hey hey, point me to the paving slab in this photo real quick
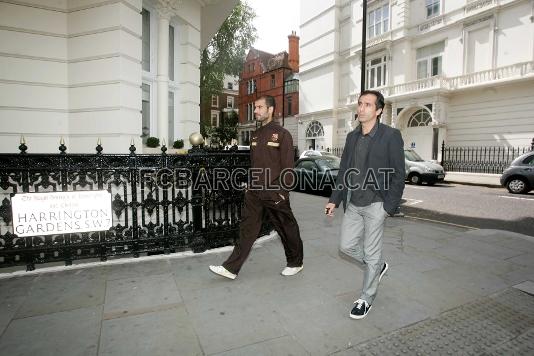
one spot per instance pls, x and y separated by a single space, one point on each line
137 295
228 317
285 345
73 332
167 332
68 290
527 287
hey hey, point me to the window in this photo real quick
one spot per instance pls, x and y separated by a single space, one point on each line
378 21
230 102
251 86
289 102
146 40
145 111
432 8
307 166
529 160
171 118
251 67
429 60
214 119
273 81
376 72
315 129
291 86
250 111
215 101
230 86
171 53
420 118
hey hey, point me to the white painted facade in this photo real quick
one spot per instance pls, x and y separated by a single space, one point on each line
73 69
463 70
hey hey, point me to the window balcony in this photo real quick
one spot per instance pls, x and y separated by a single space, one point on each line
378 39
514 72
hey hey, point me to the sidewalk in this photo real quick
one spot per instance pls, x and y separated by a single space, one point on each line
449 290
486 179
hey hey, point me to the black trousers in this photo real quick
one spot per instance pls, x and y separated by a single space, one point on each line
279 213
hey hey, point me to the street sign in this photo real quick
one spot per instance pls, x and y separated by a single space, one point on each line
61 212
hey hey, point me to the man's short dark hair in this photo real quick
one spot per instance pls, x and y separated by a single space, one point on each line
380 102
269 101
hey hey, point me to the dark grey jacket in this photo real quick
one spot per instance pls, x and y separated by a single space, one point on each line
386 150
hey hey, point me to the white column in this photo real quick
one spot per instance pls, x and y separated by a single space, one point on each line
162 77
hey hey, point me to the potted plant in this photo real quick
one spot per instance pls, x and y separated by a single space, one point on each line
152 142
178 144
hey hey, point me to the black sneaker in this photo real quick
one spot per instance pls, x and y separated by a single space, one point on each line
385 267
360 310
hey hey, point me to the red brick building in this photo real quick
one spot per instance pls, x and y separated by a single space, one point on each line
270 74
216 112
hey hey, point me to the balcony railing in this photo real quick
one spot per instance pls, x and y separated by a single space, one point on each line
514 71
511 72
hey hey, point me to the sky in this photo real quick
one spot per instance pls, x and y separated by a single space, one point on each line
273 25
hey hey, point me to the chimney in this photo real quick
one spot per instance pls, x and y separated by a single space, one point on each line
293 59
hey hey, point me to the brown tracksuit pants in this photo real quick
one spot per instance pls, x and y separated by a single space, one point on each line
280 215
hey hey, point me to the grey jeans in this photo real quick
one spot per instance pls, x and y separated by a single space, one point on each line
361 239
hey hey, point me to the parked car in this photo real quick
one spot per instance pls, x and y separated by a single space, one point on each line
317 173
518 178
311 153
239 148
418 170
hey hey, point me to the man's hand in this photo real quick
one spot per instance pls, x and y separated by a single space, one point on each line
329 209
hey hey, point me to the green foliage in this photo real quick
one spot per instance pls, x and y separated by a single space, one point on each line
223 134
225 53
152 142
178 144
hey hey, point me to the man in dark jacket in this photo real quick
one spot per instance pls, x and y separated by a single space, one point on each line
271 154
370 184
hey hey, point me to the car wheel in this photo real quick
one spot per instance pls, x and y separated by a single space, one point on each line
415 178
517 185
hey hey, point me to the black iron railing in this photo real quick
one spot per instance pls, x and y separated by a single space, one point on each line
155 205
480 159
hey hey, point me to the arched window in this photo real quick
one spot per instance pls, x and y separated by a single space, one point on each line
315 129
420 118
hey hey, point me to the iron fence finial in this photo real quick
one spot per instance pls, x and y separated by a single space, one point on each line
62 148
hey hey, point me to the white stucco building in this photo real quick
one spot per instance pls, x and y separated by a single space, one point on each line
108 69
455 70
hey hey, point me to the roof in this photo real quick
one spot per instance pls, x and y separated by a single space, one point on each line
269 61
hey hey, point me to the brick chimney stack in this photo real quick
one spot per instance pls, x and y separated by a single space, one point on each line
293 59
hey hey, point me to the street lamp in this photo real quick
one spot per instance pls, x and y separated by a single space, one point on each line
364 40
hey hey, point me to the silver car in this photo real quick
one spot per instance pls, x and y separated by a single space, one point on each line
418 170
519 177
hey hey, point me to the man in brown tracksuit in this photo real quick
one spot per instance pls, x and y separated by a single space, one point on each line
271 151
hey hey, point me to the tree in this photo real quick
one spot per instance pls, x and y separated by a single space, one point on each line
224 134
226 51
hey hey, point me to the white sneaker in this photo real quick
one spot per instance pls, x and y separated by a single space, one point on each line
291 271
221 271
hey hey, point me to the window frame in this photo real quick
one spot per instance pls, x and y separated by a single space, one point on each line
383 24
145 39
433 8
216 97
214 114
382 67
230 102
